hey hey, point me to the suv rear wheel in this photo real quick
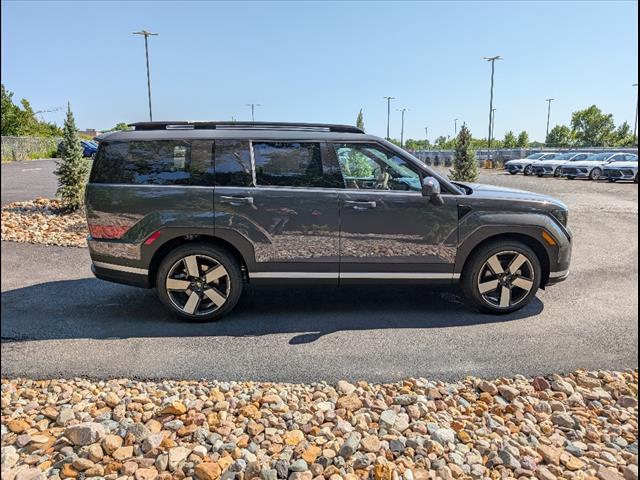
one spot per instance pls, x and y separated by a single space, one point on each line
528 170
501 277
595 174
199 282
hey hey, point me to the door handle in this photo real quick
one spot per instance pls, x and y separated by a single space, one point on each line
236 201
360 204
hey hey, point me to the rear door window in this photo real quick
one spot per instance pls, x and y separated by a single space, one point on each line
293 164
159 162
233 163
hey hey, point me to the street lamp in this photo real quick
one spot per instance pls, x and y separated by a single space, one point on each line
493 61
388 112
253 110
426 135
146 51
402 110
493 122
548 100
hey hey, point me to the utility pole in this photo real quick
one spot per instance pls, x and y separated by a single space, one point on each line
253 110
635 123
146 51
388 113
426 134
493 61
493 122
402 110
548 100
455 126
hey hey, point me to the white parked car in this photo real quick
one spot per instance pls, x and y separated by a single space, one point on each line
554 166
593 166
525 165
626 170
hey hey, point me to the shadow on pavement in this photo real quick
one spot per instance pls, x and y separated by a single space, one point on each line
91 308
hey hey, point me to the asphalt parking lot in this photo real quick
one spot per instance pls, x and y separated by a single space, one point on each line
59 321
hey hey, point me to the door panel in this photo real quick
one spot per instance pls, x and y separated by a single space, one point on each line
283 225
397 231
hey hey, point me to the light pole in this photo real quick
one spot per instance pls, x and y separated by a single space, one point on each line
635 122
493 61
455 126
548 100
402 110
146 51
426 135
253 110
388 112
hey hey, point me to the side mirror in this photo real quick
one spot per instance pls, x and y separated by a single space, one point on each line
431 189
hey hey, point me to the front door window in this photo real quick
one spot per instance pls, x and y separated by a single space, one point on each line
369 167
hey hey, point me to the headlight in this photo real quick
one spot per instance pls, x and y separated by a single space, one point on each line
562 216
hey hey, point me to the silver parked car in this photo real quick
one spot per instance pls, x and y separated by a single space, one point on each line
525 165
593 166
553 166
622 170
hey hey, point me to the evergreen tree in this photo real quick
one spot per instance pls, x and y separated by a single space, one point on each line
360 120
465 165
72 168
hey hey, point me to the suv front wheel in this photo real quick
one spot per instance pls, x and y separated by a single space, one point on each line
501 277
199 282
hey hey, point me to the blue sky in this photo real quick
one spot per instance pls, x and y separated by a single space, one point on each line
322 62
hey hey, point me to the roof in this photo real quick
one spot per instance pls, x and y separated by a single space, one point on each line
238 130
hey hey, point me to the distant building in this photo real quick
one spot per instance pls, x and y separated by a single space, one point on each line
90 132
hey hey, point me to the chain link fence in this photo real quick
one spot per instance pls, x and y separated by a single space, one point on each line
26 148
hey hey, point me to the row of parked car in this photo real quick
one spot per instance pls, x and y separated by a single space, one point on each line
612 166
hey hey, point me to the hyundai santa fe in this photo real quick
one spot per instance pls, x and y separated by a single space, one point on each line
198 210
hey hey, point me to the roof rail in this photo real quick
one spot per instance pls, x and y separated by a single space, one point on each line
185 125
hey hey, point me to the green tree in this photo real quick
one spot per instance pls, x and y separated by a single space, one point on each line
72 169
509 140
592 128
465 165
18 121
559 136
523 140
121 126
360 120
623 136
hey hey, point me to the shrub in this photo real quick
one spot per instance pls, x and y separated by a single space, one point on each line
465 165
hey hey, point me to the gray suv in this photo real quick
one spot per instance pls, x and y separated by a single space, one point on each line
199 209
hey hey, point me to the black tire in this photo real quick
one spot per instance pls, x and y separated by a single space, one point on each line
612 180
513 172
557 172
540 175
636 179
571 178
595 174
528 170
476 266
208 257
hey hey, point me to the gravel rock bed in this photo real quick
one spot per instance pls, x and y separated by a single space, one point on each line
578 426
39 221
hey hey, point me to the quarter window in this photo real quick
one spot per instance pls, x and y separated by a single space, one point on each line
367 166
161 162
292 164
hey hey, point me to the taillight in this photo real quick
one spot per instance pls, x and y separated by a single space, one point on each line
110 232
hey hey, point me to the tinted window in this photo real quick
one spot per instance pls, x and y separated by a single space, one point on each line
292 164
367 166
162 162
233 164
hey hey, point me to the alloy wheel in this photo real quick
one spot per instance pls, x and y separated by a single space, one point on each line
596 173
506 279
198 285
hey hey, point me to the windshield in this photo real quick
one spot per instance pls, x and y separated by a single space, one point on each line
598 157
565 156
535 156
